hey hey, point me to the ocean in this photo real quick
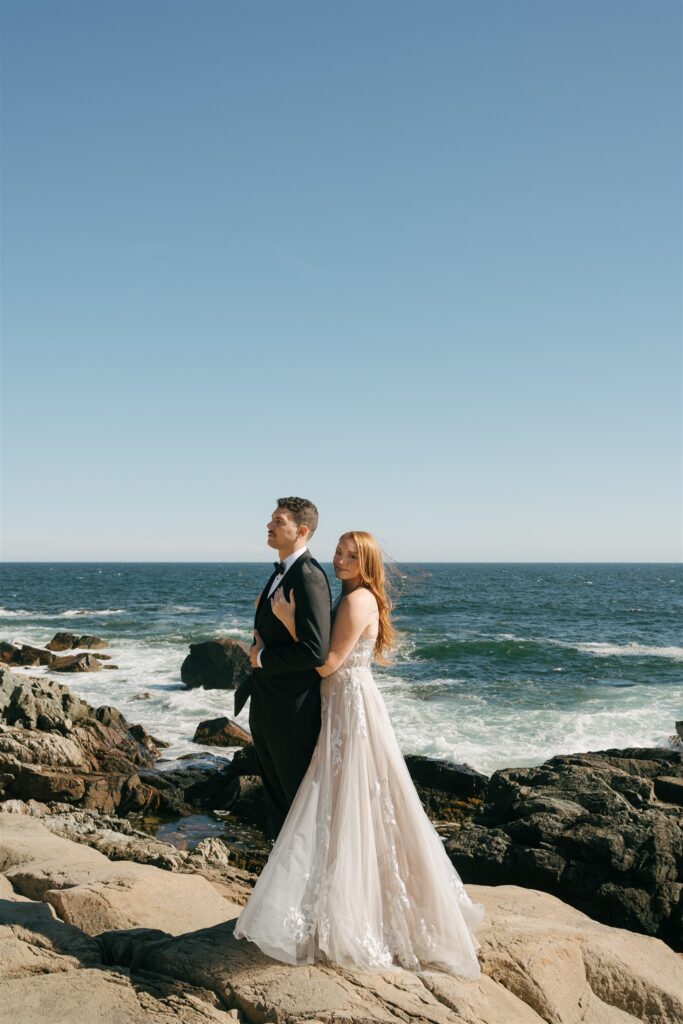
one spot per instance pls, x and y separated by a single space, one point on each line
496 665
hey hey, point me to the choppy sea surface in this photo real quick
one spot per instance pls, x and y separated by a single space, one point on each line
496 664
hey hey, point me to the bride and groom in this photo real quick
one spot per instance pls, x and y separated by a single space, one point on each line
358 875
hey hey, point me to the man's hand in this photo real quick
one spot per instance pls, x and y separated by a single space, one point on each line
258 645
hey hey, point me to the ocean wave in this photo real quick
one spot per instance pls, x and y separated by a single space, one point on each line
500 646
629 650
70 613
510 646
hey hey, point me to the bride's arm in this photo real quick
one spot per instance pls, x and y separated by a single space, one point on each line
355 613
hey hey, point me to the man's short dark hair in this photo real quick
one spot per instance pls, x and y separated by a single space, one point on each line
302 511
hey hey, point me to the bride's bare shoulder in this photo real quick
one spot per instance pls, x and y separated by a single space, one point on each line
362 599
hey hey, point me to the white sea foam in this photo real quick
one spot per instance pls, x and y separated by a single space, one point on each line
494 736
437 717
70 613
602 650
630 650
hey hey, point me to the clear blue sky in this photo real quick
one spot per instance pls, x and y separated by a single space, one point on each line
419 262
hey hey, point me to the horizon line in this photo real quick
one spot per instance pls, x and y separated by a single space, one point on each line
395 561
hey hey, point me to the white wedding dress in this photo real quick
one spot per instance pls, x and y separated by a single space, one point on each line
358 874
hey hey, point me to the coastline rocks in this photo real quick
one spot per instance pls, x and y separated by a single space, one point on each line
216 664
591 828
541 962
26 655
221 732
167 954
117 839
449 792
55 746
7 651
65 641
457 779
95 895
76 663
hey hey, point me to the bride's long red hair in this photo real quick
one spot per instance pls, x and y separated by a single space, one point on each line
373 577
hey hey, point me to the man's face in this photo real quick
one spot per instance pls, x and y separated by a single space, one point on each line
283 532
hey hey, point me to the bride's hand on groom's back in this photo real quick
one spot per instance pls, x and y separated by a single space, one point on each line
285 610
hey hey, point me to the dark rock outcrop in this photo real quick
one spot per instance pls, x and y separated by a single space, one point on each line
71 641
76 663
27 655
65 641
221 732
216 664
449 792
590 828
7 651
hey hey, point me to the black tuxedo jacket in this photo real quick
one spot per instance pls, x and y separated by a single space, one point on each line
288 666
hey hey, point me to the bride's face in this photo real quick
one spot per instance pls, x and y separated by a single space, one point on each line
345 560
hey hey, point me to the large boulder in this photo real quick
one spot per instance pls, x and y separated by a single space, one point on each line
76 663
25 655
221 732
8 651
592 828
216 664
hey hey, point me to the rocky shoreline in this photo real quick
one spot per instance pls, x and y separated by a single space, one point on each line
97 912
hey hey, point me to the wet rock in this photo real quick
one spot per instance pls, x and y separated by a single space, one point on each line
26 655
669 789
7 651
65 641
216 664
455 779
76 663
221 732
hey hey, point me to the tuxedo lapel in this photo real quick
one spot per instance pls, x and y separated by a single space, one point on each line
288 582
264 597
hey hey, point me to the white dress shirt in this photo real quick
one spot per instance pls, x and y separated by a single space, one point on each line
288 562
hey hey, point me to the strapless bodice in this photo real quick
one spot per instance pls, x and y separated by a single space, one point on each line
360 655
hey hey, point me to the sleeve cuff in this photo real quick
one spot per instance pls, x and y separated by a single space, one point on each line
258 657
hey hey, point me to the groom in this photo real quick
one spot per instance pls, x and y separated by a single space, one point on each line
284 687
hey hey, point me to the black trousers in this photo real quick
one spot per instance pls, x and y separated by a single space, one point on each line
285 732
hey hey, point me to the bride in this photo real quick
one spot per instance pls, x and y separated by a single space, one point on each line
358 874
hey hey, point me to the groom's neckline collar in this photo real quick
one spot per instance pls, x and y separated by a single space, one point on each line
289 561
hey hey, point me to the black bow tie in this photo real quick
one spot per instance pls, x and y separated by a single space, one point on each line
279 568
